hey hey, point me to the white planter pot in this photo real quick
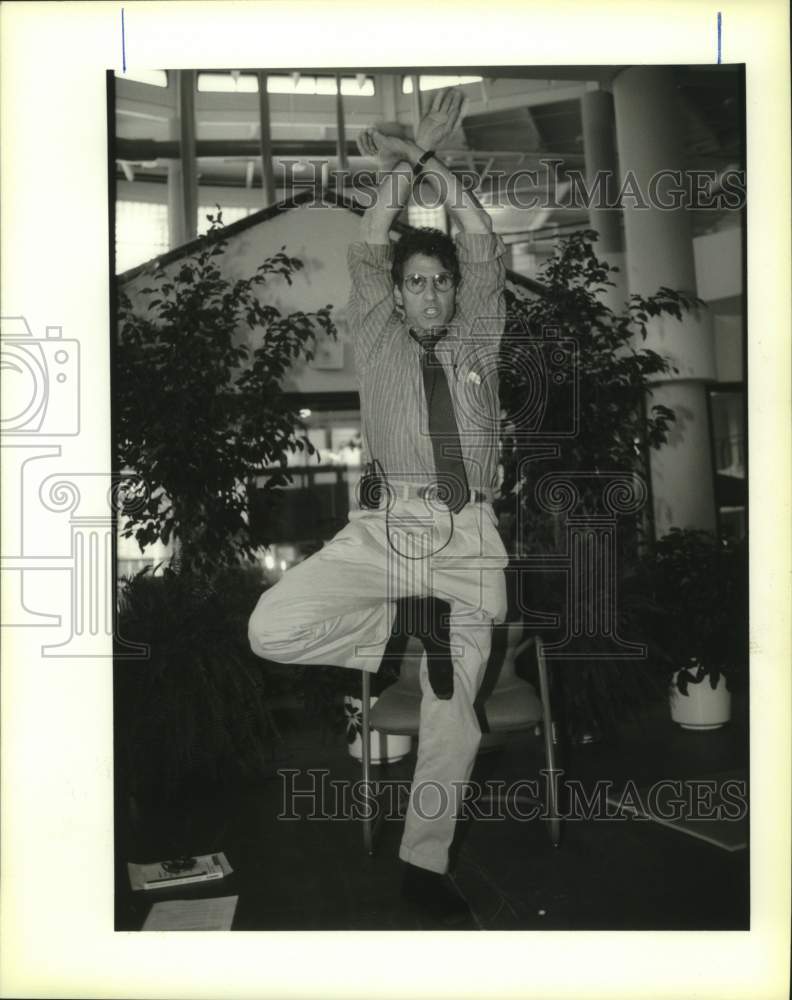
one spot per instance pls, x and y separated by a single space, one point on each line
702 707
384 748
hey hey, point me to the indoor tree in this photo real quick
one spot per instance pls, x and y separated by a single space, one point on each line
199 411
589 375
199 417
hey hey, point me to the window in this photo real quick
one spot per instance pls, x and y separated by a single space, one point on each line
527 258
324 485
417 216
153 77
141 233
337 441
437 82
728 443
286 83
227 83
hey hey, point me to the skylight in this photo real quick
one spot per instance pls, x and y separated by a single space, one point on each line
286 83
437 82
153 77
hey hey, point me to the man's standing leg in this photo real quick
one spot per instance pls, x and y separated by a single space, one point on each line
448 740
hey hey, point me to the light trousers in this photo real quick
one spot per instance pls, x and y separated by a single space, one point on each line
338 608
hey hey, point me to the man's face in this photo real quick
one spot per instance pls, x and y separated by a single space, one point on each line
427 306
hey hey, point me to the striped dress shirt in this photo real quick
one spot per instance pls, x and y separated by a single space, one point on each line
394 415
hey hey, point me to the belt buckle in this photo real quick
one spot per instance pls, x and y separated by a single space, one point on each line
429 493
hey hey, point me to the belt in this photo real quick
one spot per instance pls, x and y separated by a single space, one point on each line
428 491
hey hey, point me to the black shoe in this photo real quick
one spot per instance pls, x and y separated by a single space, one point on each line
434 897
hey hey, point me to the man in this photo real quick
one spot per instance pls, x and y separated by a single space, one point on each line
426 318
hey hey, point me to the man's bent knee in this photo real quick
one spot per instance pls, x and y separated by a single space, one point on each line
272 638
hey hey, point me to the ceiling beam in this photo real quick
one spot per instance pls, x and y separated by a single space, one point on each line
136 150
487 167
140 150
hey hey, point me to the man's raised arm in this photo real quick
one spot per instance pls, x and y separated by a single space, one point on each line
395 183
481 304
371 304
440 121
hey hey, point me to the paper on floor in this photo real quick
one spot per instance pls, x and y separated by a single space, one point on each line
192 915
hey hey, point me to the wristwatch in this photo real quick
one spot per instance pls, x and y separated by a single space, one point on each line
422 160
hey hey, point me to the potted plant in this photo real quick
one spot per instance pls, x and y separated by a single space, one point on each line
385 747
331 697
699 589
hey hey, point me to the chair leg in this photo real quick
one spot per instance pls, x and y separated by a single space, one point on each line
365 739
553 772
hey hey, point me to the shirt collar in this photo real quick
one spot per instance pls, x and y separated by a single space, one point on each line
425 340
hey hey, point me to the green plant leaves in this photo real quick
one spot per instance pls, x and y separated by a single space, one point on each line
194 714
606 383
701 584
199 409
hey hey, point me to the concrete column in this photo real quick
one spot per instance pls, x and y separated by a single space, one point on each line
659 244
415 101
267 171
186 83
602 177
387 84
341 151
183 173
176 234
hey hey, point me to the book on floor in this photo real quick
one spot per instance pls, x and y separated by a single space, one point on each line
178 871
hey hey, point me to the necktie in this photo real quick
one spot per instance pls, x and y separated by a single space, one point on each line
443 430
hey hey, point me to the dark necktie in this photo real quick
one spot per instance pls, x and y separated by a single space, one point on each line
452 481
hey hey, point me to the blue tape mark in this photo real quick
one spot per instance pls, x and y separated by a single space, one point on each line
123 41
719 37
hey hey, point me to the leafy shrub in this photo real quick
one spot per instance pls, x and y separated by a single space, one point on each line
699 592
193 714
200 413
607 382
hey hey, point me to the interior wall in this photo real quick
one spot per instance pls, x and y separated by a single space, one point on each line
719 281
319 237
718 261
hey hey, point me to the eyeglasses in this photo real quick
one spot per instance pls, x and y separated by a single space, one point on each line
416 283
179 865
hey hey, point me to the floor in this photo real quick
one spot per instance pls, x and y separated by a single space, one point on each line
313 873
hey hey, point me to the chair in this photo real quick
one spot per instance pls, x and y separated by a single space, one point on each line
505 704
